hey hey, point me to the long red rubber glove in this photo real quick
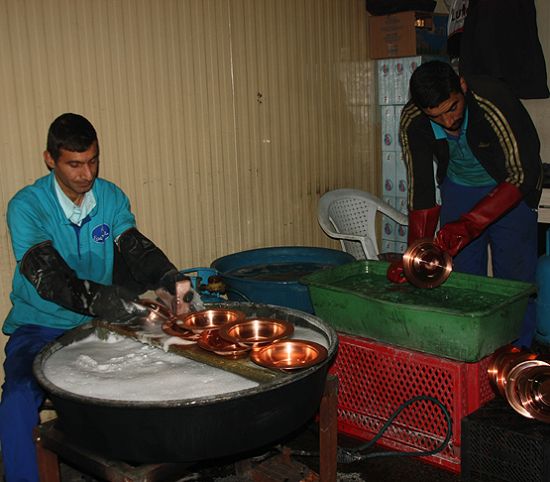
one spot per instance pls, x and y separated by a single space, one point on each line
454 236
422 224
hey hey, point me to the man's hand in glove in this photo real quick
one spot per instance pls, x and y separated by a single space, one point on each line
176 292
55 281
456 235
150 267
396 272
115 304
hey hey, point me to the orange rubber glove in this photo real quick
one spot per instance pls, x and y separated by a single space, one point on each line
454 236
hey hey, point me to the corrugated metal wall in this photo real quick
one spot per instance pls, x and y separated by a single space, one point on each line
223 120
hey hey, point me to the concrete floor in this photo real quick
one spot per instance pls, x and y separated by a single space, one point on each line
380 469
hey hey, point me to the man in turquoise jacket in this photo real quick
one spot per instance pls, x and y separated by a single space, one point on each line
66 231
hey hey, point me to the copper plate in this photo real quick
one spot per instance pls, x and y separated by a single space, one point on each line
171 328
212 341
426 265
256 331
534 392
515 383
289 354
207 319
504 360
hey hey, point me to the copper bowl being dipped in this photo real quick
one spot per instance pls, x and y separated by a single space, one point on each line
504 360
211 340
256 332
426 265
207 319
289 354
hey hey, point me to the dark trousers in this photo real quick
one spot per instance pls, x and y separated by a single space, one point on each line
21 399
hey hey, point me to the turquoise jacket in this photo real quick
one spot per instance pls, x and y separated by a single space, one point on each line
34 215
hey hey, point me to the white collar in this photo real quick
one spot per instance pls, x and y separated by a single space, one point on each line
74 213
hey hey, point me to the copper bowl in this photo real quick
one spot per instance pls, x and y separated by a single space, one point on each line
289 354
207 319
504 360
255 332
515 385
157 312
426 265
534 392
212 341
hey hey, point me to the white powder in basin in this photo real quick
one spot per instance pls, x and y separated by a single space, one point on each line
119 368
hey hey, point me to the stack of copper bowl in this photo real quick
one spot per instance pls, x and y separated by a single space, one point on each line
523 378
205 325
270 343
231 334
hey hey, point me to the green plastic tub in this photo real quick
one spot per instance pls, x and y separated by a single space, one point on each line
466 318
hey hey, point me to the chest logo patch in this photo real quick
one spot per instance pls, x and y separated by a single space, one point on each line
101 233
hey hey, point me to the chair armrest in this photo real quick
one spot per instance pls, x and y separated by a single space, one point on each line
394 214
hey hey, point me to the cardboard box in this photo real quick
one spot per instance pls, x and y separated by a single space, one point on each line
388 173
385 82
407 34
388 128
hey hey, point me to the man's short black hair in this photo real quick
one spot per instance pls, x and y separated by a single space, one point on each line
432 83
71 132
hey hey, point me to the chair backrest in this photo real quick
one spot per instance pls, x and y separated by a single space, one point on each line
351 213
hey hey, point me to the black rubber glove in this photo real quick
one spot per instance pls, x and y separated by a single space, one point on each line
168 283
148 265
115 304
55 281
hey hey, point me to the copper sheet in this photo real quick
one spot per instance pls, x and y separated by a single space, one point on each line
207 319
212 341
256 331
289 354
426 265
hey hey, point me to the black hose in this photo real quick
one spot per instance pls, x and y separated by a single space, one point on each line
350 455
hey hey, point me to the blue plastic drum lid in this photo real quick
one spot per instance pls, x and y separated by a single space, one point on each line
271 275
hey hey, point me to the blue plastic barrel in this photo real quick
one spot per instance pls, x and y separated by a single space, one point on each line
271 275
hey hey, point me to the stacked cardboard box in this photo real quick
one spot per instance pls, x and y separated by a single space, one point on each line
393 93
401 42
407 34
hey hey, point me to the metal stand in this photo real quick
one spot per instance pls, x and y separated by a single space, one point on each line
51 443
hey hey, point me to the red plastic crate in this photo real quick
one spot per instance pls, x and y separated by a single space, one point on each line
376 378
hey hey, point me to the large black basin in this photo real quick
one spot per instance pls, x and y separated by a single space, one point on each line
194 429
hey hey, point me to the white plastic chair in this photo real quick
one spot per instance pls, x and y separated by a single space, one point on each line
349 215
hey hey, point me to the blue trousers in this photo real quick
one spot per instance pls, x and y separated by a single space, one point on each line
513 240
21 399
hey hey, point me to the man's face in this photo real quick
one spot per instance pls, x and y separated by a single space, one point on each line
449 114
75 171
